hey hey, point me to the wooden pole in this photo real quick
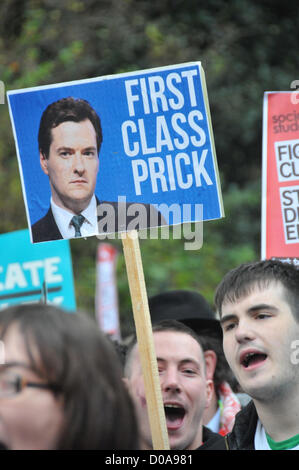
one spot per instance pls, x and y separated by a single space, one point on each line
145 341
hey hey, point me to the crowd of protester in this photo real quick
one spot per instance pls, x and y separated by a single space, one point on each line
229 378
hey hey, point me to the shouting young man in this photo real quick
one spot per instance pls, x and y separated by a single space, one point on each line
258 304
186 392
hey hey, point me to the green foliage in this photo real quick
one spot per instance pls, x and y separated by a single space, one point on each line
246 48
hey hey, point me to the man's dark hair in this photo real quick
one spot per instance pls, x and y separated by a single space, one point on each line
68 351
120 349
240 281
66 109
174 325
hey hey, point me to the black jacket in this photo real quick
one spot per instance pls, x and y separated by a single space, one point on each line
242 435
45 229
212 440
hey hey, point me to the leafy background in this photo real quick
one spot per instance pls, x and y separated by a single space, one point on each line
245 47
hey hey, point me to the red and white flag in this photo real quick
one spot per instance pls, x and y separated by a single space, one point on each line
106 291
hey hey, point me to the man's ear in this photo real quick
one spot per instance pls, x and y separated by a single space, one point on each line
43 163
210 391
211 361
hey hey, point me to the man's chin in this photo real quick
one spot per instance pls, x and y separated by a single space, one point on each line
78 201
259 389
177 443
178 440
80 195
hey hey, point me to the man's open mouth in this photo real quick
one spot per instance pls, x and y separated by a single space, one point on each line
174 415
252 359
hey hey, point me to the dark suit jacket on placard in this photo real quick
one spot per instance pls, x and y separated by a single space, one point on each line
46 228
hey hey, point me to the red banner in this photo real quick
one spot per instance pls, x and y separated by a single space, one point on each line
106 291
280 190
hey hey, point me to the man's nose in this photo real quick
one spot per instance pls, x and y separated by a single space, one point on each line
245 332
78 163
170 381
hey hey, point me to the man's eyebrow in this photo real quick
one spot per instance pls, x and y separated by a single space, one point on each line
191 360
258 307
182 361
70 149
254 308
226 318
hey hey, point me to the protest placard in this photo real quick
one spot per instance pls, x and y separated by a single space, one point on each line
280 191
144 156
157 151
26 268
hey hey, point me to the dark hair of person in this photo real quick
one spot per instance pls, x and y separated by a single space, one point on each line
174 325
66 109
120 349
240 281
68 350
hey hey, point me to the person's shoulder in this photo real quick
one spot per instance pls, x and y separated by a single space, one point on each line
40 224
212 440
242 435
45 229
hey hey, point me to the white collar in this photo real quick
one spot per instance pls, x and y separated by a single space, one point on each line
63 219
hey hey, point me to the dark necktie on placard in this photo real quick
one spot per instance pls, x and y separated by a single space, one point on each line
77 221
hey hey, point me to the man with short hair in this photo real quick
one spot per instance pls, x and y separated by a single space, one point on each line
185 390
192 309
69 139
258 305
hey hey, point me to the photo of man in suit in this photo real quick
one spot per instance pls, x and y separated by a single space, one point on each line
69 139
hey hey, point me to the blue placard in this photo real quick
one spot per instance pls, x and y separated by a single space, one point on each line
158 145
35 273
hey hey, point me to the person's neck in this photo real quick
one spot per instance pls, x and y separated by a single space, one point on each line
211 410
280 417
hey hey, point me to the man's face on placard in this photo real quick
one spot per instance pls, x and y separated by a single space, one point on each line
72 165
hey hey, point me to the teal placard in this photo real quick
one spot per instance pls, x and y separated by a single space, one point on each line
35 273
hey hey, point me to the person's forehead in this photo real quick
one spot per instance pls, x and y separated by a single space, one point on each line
272 293
71 128
176 344
170 344
14 345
